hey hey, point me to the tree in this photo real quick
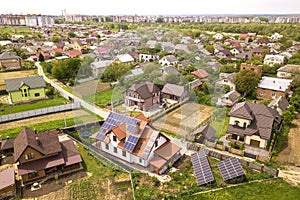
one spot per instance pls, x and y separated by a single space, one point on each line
288 116
55 39
115 71
172 78
246 81
41 57
71 35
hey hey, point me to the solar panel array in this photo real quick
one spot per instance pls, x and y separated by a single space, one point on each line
115 119
202 168
230 168
150 143
131 143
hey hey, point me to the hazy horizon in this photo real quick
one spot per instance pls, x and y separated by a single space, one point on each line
155 7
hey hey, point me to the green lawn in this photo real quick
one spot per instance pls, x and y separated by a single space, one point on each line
44 126
105 98
269 190
52 101
220 125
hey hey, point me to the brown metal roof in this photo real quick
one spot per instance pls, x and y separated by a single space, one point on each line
7 144
262 120
7 178
45 142
158 162
41 164
145 90
167 150
70 153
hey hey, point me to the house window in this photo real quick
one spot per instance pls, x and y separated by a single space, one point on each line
36 94
33 175
156 143
29 156
106 146
140 160
114 138
262 93
273 95
25 94
140 146
236 122
225 80
124 153
115 150
245 125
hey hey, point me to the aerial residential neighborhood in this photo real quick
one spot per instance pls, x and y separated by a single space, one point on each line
166 102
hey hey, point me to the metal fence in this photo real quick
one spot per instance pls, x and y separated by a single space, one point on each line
37 112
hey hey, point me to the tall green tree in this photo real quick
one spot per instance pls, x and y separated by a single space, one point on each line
246 81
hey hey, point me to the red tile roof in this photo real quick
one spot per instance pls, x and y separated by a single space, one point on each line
120 131
158 162
143 118
200 73
74 53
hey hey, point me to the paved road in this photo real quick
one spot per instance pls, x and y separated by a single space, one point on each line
101 112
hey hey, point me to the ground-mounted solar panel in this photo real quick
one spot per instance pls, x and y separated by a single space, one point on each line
202 169
231 168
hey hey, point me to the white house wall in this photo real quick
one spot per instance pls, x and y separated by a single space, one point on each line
263 143
241 121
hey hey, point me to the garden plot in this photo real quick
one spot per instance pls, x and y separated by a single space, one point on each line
184 119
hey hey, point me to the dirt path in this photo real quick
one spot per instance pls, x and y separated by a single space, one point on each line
291 174
15 74
291 149
40 119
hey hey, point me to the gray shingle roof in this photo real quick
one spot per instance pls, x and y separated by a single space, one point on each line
176 90
32 82
8 55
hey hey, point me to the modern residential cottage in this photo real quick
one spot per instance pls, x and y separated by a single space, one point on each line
134 141
25 89
251 124
142 96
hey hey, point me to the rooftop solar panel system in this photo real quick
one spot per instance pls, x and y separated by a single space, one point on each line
202 168
131 143
230 168
115 119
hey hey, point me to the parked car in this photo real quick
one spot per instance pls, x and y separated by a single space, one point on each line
163 105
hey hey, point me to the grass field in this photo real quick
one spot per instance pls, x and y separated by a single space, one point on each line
105 98
53 101
44 126
268 190
15 74
14 29
220 126
183 182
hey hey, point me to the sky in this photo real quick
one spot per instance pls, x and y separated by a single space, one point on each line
150 7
